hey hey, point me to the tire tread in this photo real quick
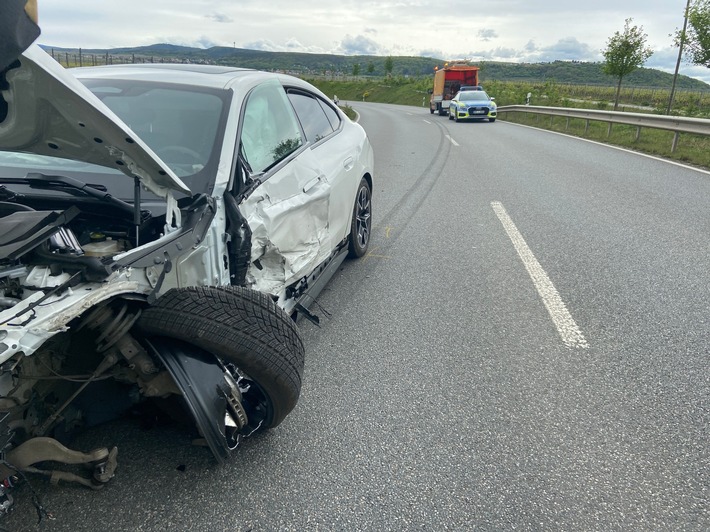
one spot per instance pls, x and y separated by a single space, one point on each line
238 325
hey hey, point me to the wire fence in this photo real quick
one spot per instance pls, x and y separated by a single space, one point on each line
643 95
82 59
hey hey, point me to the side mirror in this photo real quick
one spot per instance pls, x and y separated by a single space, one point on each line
493 99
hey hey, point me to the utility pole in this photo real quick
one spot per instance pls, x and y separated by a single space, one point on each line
680 56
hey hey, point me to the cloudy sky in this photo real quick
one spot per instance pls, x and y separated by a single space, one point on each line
496 30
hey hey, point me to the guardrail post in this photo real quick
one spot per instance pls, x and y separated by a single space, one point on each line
676 136
608 131
638 133
586 126
567 124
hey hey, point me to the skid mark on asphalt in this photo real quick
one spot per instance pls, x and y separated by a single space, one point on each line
570 333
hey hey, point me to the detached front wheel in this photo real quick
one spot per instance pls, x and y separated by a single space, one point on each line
242 328
361 225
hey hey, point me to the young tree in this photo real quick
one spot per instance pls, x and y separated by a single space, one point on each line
625 52
370 67
697 35
679 42
389 65
356 69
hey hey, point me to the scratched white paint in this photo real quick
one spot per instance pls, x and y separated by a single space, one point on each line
570 333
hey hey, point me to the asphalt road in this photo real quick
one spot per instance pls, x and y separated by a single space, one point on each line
525 347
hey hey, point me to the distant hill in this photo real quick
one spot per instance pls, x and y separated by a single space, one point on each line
314 64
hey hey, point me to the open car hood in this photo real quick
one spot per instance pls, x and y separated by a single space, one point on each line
47 111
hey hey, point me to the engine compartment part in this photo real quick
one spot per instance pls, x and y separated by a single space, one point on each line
41 449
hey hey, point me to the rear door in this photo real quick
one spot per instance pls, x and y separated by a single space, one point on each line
336 151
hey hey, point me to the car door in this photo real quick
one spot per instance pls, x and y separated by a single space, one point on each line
335 151
287 212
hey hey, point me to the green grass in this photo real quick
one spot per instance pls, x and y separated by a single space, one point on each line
349 111
380 90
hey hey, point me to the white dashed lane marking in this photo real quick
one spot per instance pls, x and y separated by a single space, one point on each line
570 333
452 140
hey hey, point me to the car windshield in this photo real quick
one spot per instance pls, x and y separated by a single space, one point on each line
473 96
182 125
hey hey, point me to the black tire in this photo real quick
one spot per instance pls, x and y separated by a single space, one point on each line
451 117
456 117
242 327
431 110
491 120
361 225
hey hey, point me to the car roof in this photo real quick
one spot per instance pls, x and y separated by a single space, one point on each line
210 76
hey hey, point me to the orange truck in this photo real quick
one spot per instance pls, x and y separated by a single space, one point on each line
448 81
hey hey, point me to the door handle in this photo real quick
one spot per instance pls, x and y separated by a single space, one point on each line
348 163
313 182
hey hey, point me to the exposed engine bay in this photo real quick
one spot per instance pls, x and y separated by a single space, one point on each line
98 364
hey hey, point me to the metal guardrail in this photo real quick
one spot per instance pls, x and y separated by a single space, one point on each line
677 124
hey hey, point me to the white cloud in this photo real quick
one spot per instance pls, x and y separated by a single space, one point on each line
565 49
359 45
437 54
524 30
220 17
487 34
262 44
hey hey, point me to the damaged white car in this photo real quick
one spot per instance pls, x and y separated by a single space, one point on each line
160 228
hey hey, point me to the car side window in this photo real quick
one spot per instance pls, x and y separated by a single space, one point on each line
332 115
312 116
270 129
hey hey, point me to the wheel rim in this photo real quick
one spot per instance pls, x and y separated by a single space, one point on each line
255 402
362 217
